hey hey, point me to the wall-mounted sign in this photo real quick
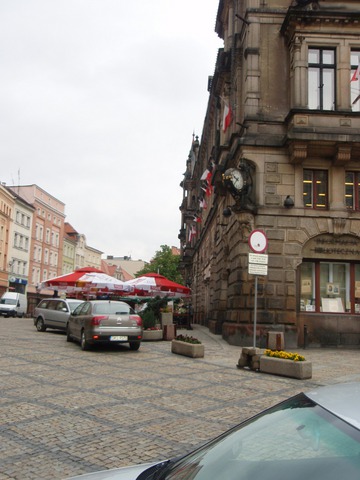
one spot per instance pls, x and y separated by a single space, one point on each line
259 258
256 269
258 241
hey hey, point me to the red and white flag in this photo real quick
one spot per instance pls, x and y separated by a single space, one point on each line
227 116
203 204
192 233
205 174
356 75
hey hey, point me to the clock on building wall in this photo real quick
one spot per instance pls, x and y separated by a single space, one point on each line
234 180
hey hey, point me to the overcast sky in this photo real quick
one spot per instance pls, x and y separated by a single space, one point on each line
98 103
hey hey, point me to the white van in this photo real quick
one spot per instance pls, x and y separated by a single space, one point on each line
13 304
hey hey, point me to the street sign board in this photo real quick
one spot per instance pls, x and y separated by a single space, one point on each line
260 258
258 241
256 269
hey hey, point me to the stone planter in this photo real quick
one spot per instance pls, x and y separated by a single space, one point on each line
151 335
286 368
193 350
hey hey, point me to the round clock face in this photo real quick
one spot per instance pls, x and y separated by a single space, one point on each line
258 241
235 177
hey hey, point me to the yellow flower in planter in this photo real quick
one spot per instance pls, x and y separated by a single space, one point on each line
296 357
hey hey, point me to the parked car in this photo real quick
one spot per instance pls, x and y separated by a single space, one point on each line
309 436
54 313
104 321
13 304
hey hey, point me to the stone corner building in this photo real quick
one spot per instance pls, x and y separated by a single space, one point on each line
279 153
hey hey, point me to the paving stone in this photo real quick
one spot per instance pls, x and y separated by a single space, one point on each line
65 412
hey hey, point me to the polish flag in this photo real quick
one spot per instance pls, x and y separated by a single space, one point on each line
356 75
202 204
205 174
192 233
227 116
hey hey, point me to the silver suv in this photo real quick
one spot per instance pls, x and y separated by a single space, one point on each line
54 313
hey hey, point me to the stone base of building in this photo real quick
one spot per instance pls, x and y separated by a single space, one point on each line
215 327
242 334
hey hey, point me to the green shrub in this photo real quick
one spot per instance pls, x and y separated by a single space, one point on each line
149 319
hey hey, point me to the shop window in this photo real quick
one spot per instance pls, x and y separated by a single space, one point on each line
352 190
321 78
315 189
357 289
330 287
355 81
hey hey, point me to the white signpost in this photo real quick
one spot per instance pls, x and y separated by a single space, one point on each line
257 265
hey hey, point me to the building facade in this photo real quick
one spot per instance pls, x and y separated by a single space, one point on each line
127 268
20 244
46 235
279 153
69 249
7 203
84 255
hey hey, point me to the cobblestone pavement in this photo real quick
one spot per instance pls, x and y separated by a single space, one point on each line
64 412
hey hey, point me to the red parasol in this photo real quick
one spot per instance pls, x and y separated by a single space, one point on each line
159 285
69 279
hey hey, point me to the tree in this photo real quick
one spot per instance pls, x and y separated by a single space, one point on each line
165 263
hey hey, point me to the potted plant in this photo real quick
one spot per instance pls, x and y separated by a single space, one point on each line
287 364
151 331
188 346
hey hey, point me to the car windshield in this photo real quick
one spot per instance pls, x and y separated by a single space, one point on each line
297 440
111 308
73 305
8 301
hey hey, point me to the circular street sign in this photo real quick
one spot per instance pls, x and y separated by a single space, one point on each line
258 241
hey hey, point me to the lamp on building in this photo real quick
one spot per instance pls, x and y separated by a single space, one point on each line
288 202
227 212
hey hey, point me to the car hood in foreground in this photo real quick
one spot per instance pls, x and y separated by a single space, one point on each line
126 473
342 400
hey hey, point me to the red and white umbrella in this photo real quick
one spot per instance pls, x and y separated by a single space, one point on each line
103 281
156 284
84 279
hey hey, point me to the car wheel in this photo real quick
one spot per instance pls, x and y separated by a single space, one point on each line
84 344
40 325
134 345
68 336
